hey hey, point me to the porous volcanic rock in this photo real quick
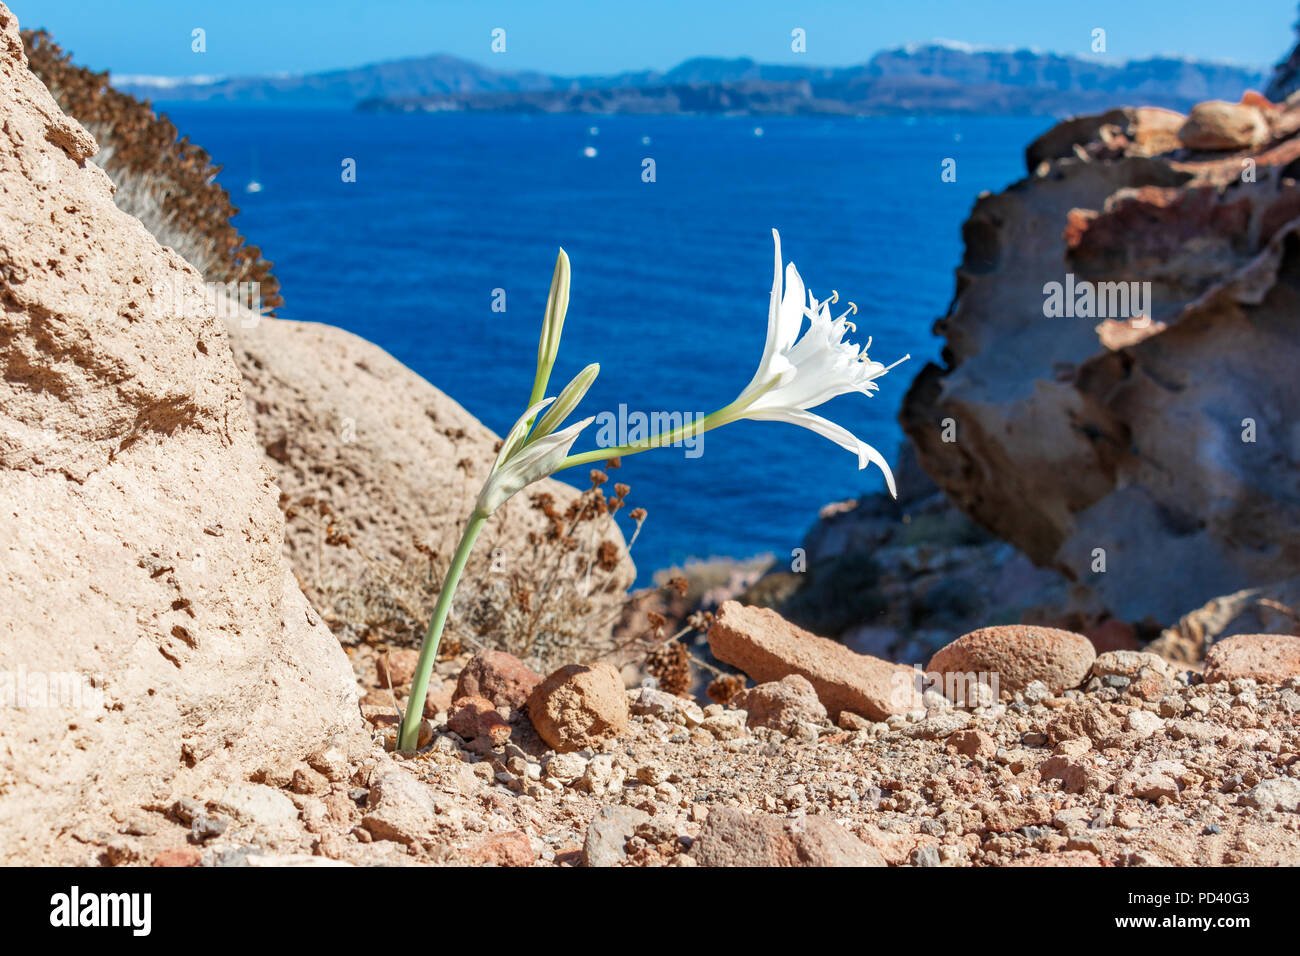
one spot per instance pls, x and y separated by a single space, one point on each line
474 717
1272 658
151 627
780 704
500 677
1019 654
579 706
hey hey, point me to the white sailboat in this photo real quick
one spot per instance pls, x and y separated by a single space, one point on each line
253 185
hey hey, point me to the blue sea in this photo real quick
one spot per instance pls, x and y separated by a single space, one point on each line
670 277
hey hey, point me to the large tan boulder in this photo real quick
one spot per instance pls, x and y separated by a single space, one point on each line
152 639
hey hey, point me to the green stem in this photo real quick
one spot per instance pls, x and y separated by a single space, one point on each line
723 416
709 422
409 735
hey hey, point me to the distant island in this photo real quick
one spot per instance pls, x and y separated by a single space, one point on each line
924 78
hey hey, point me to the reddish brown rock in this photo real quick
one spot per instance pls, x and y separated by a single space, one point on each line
732 837
767 647
1150 687
500 677
1268 658
1004 818
780 704
1080 722
973 743
177 856
1152 781
473 717
396 667
578 706
503 849
437 700
848 720
1076 773
1131 664
1219 125
307 781
894 848
1018 654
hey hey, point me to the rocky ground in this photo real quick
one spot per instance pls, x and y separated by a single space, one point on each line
1143 763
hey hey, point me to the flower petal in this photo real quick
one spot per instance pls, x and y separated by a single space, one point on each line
773 308
828 429
518 431
533 462
790 316
567 402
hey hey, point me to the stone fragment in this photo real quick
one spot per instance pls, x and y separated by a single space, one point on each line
767 647
731 837
579 706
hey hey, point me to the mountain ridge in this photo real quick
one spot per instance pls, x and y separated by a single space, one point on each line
916 78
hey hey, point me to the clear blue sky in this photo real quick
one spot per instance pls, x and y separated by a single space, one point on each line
600 36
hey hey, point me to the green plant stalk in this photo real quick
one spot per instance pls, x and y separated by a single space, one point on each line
408 736
719 418
723 416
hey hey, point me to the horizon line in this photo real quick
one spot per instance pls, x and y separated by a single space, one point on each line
163 81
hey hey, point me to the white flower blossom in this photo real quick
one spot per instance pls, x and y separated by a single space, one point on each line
798 373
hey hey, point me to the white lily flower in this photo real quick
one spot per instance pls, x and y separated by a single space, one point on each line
518 465
799 373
